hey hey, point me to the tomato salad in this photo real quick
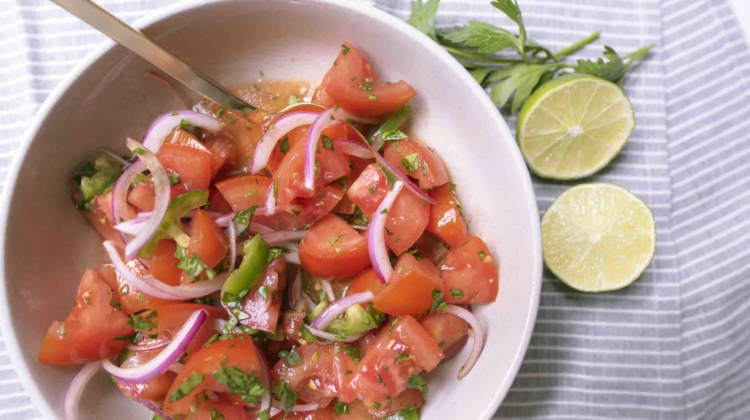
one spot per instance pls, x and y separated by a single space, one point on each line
316 271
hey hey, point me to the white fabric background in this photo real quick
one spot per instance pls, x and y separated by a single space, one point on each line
674 345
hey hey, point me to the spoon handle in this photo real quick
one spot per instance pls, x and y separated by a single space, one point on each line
135 41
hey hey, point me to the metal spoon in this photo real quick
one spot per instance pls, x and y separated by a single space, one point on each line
135 41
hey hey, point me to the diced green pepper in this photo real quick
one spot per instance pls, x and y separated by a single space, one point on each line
251 269
356 319
107 170
409 413
171 226
393 123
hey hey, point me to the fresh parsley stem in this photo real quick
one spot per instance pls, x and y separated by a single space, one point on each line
578 45
640 52
480 57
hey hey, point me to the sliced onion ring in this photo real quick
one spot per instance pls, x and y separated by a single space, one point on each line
232 236
271 200
151 286
339 307
340 114
476 332
311 144
120 190
333 337
280 127
329 290
298 408
376 235
278 237
164 360
163 125
146 403
162 190
149 347
403 178
353 148
75 389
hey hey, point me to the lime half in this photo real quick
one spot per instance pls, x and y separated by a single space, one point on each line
573 126
598 237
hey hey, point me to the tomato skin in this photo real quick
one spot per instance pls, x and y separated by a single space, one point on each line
406 221
409 290
291 326
446 221
264 311
366 281
408 398
325 413
207 241
90 328
321 376
101 219
243 192
464 269
239 352
170 318
431 172
164 263
379 375
333 249
228 409
183 138
349 72
191 164
313 209
155 389
368 190
131 299
448 330
223 150
295 136
216 202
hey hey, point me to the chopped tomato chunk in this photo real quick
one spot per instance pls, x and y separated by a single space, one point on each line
446 221
164 263
410 288
448 330
243 192
414 159
263 302
221 409
207 241
469 270
367 281
331 248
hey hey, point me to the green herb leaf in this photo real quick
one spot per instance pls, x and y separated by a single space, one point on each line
275 252
402 357
327 143
240 383
408 413
519 81
286 395
216 414
340 408
292 357
411 162
263 292
487 38
344 49
418 382
143 323
423 16
614 68
457 293
186 387
192 265
284 145
352 352
438 302
62 330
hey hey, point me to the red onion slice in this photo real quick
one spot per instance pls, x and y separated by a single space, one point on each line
353 148
278 237
477 334
75 390
232 235
120 190
131 227
333 337
339 307
298 408
329 290
161 201
116 157
146 403
149 347
280 127
295 291
163 125
151 286
376 235
340 114
265 380
164 360
270 206
401 177
224 220
311 145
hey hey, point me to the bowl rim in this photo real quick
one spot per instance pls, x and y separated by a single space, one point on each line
9 333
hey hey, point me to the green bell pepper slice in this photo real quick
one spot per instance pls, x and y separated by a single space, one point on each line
106 172
171 226
254 261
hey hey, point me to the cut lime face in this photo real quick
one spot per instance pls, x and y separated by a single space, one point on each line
598 237
573 126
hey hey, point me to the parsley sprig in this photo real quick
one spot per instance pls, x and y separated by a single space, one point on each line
514 78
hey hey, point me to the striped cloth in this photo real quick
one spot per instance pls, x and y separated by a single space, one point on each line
674 345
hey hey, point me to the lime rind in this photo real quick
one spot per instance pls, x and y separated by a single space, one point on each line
565 121
566 209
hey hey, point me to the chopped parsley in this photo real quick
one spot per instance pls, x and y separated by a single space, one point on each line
394 135
286 395
340 408
186 387
418 382
372 97
275 252
218 113
482 255
457 293
402 357
216 414
384 211
284 145
240 383
376 405
263 292
327 143
411 162
352 352
251 193
291 358
345 51
438 302
174 178
192 265
184 123
380 380
143 323
62 330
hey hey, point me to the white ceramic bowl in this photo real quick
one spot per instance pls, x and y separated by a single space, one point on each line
47 245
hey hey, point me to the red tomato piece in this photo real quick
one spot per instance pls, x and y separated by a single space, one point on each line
243 192
446 221
406 222
170 318
380 375
470 269
210 410
409 398
414 159
284 145
239 353
367 281
448 330
155 389
353 86
191 164
131 299
99 217
164 263
217 203
333 249
263 305
207 240
309 210
369 190
183 138
292 325
321 376
88 334
325 413
409 290
143 196
223 150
